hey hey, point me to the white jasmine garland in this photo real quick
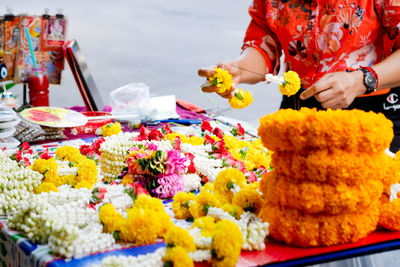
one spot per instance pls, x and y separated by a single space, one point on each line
191 181
200 255
147 260
254 231
275 79
16 183
200 241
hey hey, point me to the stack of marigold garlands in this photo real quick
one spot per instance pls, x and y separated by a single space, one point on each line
331 176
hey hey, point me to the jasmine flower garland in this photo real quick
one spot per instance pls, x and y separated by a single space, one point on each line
16 183
153 259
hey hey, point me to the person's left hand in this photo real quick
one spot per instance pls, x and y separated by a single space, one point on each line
336 90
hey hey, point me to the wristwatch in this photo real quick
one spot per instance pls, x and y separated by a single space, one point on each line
370 79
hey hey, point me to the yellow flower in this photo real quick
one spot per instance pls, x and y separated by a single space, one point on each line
111 129
241 99
225 181
193 140
45 187
208 187
110 218
177 257
87 171
222 79
292 83
180 205
179 237
203 201
66 152
233 210
249 199
227 244
128 179
142 226
47 167
206 224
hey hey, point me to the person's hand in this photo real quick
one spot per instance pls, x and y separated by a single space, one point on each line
336 90
209 72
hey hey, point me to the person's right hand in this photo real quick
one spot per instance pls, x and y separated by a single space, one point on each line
209 72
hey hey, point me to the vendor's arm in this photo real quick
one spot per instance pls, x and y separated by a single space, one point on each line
339 89
261 53
250 59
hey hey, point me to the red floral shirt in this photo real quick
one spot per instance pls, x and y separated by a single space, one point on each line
322 36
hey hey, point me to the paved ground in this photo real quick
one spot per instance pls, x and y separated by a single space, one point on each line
160 43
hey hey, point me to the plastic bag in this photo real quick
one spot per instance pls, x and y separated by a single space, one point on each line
131 100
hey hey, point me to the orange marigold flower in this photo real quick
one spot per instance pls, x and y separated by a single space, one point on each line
349 130
390 215
313 197
297 228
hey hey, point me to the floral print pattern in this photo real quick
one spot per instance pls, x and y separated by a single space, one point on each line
322 36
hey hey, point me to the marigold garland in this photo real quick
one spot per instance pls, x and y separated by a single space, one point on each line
249 199
348 130
234 210
222 79
224 183
111 219
241 99
177 257
305 230
68 153
179 237
111 129
291 84
390 215
206 224
45 187
181 203
226 244
203 201
331 167
314 197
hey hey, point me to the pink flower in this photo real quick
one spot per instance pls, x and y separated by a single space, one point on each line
177 143
251 177
169 185
44 154
151 146
208 140
176 163
26 148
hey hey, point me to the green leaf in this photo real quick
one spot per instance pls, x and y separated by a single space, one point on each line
205 208
243 152
230 185
186 204
116 235
239 96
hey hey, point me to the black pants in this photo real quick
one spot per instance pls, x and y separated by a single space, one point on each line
388 104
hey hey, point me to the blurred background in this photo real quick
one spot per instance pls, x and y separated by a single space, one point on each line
161 43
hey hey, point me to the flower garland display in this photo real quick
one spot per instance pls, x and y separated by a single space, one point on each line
308 129
318 195
17 183
62 220
228 182
144 223
111 129
149 259
84 174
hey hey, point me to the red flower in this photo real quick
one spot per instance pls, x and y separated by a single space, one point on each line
102 190
240 129
18 156
166 129
140 189
191 167
92 206
206 126
177 143
26 148
96 145
155 135
208 140
218 132
44 154
144 134
26 162
219 146
113 182
85 149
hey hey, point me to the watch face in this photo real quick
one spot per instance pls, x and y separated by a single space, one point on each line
370 81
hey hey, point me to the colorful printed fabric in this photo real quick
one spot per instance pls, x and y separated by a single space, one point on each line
323 36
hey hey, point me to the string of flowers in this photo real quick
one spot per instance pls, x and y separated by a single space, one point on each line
111 129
